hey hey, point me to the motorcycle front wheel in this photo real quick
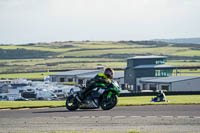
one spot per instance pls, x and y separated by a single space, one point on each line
72 103
108 103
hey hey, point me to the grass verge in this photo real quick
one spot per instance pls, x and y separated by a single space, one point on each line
30 104
76 132
39 75
123 101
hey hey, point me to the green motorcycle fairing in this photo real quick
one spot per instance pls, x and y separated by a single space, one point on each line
112 90
101 85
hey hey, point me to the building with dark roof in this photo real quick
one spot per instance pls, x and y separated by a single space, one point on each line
145 66
72 76
80 77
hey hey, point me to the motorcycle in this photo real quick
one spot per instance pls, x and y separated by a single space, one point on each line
101 96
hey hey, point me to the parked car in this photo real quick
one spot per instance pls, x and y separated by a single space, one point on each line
3 97
43 94
22 99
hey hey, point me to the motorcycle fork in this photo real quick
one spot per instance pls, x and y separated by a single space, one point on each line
96 102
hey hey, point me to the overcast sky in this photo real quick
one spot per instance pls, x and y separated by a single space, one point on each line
26 21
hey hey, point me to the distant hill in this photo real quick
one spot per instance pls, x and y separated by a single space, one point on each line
34 57
180 40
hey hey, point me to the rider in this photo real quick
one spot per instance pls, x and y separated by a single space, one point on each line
161 96
104 78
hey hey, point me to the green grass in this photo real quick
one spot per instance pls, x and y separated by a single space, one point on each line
108 46
184 63
25 65
188 53
92 65
145 100
30 104
26 75
35 48
123 101
159 50
187 72
33 62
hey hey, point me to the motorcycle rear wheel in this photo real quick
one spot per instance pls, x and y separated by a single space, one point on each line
109 103
72 103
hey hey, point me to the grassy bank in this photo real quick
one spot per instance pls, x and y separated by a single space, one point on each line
123 101
88 54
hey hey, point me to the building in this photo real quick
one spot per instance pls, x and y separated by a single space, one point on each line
145 66
173 83
118 76
80 77
143 73
72 76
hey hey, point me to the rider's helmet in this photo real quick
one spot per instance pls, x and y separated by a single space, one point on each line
109 72
160 91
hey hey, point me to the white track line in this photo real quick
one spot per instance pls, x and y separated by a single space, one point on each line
4 109
119 117
23 109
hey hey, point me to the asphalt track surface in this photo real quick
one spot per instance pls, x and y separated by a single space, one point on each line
151 118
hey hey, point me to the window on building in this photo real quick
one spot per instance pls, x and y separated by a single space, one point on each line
70 80
53 79
62 79
165 87
127 86
144 86
80 81
152 87
160 61
139 88
163 73
123 87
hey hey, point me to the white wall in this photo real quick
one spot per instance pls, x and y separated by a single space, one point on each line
65 77
187 85
120 81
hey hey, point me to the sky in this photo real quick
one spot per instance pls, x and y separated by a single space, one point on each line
32 21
